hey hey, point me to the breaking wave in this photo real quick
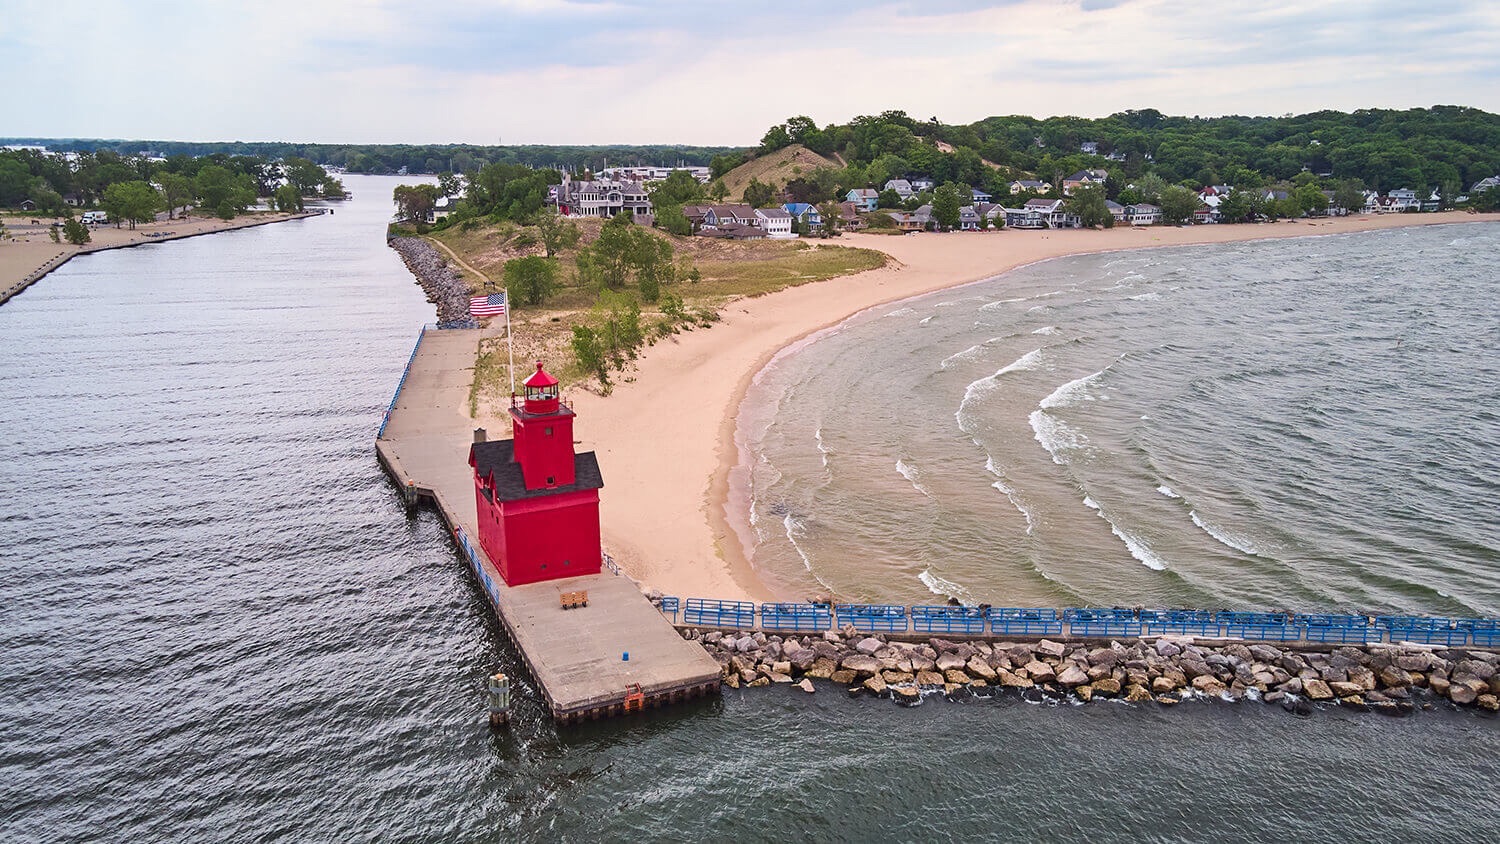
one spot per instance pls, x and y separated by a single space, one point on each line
1137 546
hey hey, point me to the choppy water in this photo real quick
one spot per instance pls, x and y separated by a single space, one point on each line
1304 424
217 624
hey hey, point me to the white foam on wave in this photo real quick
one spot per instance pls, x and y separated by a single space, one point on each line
912 475
1166 490
822 449
1145 297
941 586
967 354
795 529
1048 329
925 320
1226 538
1030 360
1055 435
900 312
1010 495
1134 544
1071 393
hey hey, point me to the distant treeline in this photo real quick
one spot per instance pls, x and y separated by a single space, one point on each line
1444 147
415 158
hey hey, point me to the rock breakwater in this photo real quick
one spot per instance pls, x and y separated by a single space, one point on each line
1393 679
443 285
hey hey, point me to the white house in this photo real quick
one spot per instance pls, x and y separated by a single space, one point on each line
902 188
776 221
1143 214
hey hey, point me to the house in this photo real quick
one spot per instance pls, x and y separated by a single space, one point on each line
1485 184
776 222
734 231
1083 177
719 216
1029 186
849 219
1372 203
1143 214
979 195
1404 200
1025 218
968 219
1052 213
1089 147
902 188
908 221
1116 210
806 212
919 185
28 205
441 209
602 199
696 214
864 199
1275 195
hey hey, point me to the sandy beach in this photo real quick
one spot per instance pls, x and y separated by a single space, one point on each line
665 437
28 252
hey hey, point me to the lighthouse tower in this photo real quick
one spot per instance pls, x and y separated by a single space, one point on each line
537 501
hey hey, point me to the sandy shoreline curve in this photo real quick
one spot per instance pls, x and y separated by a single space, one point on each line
674 512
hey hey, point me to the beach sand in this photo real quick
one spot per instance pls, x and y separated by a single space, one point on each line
665 437
29 249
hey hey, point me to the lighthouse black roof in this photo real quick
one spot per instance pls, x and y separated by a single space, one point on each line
498 458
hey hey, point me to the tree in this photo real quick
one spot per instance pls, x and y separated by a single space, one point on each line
889 199
1349 196
1178 204
758 195
135 202
589 353
75 232
1486 200
557 232
177 191
1089 204
947 201
332 188
717 191
775 138
829 212
532 278
225 192
287 198
1237 207
448 184
414 202
679 188
304 175
671 218
1310 199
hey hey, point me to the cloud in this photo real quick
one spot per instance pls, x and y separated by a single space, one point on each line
577 71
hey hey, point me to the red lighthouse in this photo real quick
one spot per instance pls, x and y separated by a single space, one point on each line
538 502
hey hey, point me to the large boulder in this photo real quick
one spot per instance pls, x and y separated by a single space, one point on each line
746 644
1346 689
802 658
1103 656
1014 681
1167 647
868 646
806 685
1040 672
1208 685
1051 648
822 668
860 664
1462 693
981 669
929 678
1439 685
1072 676
956 676
1489 702
1317 690
843 677
1108 686
875 685
1266 654
1137 694
948 661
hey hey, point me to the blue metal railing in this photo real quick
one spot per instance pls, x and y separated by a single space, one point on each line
796 617
669 606
1270 626
1424 630
386 419
474 563
1185 623
1080 622
948 619
1338 628
1025 621
1482 631
872 618
719 613
1102 623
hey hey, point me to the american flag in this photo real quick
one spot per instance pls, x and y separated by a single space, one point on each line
491 305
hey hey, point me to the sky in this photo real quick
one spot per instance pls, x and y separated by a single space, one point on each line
707 72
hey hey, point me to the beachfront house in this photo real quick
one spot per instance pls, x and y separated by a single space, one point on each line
806 212
1116 210
968 219
1142 214
907 221
864 199
776 222
1487 183
849 218
978 195
441 208
1053 213
902 188
1404 199
1025 218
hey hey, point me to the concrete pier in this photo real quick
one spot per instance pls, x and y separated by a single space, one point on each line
616 654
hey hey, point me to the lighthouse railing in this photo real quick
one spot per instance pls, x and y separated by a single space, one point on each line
794 616
718 613
872 618
1422 630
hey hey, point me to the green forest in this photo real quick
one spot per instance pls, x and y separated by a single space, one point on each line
1446 148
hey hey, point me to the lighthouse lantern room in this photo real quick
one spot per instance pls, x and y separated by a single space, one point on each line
537 501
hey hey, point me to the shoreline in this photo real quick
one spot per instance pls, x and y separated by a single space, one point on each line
18 270
690 486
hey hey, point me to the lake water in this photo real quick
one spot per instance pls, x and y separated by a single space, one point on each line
219 624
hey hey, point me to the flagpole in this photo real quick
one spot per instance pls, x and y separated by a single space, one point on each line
510 351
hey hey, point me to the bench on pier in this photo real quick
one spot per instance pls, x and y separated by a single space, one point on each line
573 600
